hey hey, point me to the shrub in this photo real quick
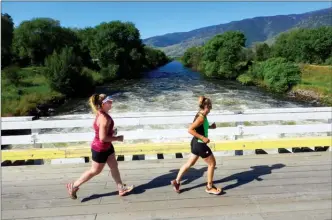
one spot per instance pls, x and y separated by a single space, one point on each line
328 61
96 76
65 73
110 72
12 75
210 68
279 74
246 79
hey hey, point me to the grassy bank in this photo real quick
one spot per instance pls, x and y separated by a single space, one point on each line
30 89
316 83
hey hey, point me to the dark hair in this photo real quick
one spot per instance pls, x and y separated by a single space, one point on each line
203 101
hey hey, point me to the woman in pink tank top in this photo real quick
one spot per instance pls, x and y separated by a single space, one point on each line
101 147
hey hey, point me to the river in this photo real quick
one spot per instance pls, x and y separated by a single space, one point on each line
174 87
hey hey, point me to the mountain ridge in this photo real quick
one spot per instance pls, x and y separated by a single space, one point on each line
256 29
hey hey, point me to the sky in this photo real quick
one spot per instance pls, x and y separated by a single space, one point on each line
153 18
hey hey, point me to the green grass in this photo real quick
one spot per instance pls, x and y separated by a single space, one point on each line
316 82
247 123
224 124
96 76
317 79
246 79
288 122
31 90
29 87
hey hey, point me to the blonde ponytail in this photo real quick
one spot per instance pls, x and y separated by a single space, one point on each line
200 100
95 101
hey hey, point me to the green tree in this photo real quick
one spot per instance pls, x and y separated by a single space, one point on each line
220 56
87 38
304 45
40 37
278 74
12 75
247 54
228 47
262 51
64 72
193 57
328 61
7 29
154 58
118 43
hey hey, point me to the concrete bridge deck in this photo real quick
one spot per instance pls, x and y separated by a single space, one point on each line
257 187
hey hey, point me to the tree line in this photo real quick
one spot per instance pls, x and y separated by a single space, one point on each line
274 67
75 60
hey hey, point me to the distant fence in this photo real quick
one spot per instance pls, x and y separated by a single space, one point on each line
313 125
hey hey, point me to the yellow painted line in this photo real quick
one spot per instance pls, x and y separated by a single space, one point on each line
166 148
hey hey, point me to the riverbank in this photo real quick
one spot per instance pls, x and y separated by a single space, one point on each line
30 94
27 93
315 86
43 68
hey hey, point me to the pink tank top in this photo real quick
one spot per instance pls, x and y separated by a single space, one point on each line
97 144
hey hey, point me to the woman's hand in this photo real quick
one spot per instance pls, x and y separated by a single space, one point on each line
119 138
213 126
206 140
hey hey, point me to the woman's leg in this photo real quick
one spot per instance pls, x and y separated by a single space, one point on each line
191 162
95 169
113 165
211 161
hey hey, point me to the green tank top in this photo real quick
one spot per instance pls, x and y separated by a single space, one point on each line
203 129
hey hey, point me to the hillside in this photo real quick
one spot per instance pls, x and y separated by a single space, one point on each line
256 29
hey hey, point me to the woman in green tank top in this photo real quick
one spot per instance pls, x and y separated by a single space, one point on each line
206 127
199 148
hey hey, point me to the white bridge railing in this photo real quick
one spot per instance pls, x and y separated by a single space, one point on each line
142 126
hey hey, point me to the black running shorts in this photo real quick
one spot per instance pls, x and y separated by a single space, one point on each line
101 157
200 149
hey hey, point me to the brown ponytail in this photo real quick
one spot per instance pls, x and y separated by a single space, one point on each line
95 101
203 101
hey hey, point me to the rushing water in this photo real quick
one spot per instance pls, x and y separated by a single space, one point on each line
174 87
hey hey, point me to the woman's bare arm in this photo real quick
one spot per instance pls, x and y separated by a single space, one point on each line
103 126
199 120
